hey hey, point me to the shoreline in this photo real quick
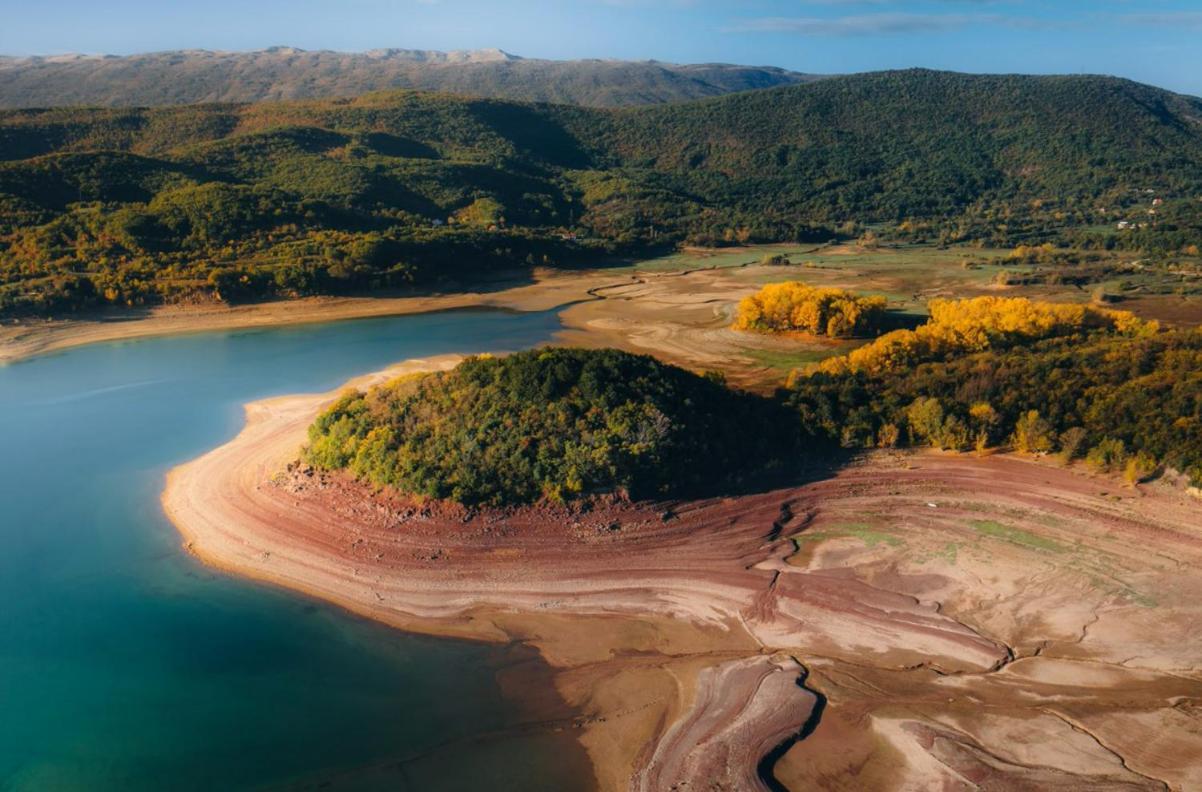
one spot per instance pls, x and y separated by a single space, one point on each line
194 541
714 616
545 290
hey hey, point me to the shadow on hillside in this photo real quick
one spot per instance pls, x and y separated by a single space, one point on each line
901 320
818 463
534 132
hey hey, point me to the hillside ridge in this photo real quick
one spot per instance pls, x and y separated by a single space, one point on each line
282 72
396 188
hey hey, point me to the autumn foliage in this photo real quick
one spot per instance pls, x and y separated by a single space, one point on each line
1119 397
794 306
958 327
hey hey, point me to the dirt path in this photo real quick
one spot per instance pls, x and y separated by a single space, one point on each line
963 622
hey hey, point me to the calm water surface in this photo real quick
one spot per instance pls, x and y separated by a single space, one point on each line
126 665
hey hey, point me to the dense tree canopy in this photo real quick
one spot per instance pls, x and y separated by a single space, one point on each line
794 306
957 327
1126 401
401 189
556 424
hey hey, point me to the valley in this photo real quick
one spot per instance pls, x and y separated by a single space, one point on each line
419 419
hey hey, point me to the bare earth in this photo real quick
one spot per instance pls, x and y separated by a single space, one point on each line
923 621
919 621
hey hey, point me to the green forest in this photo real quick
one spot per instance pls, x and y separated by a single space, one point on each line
564 424
406 190
1128 404
557 424
984 373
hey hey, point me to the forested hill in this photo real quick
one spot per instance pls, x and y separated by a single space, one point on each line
921 133
396 188
285 73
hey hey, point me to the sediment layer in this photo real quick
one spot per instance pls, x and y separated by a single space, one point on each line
958 622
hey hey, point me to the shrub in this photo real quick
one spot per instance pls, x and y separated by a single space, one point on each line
1032 434
1107 455
985 419
1072 443
1139 468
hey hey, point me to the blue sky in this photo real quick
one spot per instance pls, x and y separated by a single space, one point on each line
1155 41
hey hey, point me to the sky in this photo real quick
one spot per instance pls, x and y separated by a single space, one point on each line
1153 41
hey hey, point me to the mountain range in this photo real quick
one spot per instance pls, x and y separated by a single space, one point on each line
283 73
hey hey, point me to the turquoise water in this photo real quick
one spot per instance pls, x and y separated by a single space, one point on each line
124 664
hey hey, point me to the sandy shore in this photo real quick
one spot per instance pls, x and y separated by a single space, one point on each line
545 290
677 316
930 621
682 317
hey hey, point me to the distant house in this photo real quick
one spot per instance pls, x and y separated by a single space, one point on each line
1123 225
1157 201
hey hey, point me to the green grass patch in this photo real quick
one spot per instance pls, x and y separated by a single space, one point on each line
789 359
866 534
1017 536
1142 600
732 258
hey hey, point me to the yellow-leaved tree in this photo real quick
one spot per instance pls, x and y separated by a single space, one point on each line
794 306
980 323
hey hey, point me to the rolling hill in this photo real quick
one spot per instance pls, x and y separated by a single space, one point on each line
286 73
395 188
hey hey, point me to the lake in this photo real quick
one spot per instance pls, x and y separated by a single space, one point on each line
125 664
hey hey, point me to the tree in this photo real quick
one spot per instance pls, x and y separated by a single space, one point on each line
1033 434
1072 443
793 306
925 417
1109 454
984 420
